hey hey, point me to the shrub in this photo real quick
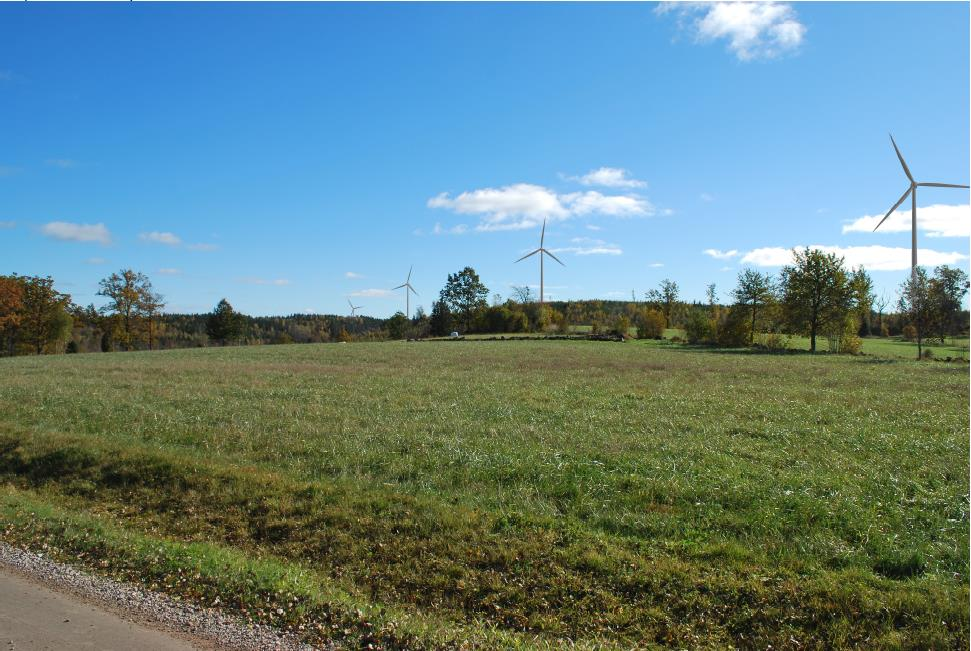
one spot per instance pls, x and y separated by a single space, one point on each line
621 325
851 345
775 341
734 330
697 328
909 332
927 354
650 324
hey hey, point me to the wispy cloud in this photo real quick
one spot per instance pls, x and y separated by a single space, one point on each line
202 247
352 275
753 30
63 163
609 177
7 224
70 232
937 220
589 246
169 239
278 282
169 271
524 205
95 261
656 265
874 258
707 198
721 255
458 229
373 293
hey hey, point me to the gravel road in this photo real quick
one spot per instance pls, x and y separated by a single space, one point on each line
49 605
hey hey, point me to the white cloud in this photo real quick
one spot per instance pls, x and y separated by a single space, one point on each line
937 220
63 163
169 271
707 198
352 275
9 224
721 255
874 258
589 246
725 269
609 177
202 247
170 239
373 293
70 232
95 261
279 282
656 265
753 30
458 229
594 227
524 205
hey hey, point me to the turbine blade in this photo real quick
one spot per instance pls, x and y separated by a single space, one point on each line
408 280
528 255
398 287
902 163
942 185
553 256
412 290
542 235
899 201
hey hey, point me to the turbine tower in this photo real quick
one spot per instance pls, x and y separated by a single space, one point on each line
408 290
541 251
912 191
354 308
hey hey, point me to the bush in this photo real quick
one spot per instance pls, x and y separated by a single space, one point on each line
775 341
698 329
734 331
649 323
909 332
621 325
851 345
927 354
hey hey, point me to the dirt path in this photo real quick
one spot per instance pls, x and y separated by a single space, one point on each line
34 617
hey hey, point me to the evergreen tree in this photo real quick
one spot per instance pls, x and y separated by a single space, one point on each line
224 324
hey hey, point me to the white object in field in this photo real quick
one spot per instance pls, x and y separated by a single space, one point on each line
454 334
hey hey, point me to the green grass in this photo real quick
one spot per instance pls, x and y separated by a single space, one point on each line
512 493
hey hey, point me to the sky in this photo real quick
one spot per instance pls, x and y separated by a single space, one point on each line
288 157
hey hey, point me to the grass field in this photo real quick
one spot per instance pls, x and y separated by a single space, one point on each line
508 494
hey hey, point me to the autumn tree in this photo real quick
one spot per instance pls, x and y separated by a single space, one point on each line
44 320
464 295
133 304
816 292
665 297
754 291
11 311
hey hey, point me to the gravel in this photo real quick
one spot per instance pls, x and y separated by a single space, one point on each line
207 626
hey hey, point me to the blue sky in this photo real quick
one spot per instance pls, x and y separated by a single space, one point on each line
287 156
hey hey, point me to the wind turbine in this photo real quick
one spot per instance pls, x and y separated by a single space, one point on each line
912 191
541 251
354 308
408 290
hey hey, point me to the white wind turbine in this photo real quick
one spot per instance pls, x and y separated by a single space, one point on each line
408 290
354 308
912 191
541 251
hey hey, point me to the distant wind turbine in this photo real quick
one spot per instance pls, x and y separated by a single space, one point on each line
354 308
408 290
912 191
541 251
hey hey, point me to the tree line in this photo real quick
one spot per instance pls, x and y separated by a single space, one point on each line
816 296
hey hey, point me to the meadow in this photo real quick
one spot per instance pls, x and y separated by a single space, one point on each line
535 494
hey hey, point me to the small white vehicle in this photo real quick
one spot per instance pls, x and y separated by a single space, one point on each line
454 335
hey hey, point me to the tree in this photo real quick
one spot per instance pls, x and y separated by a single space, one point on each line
523 294
464 294
441 319
132 302
880 303
665 297
44 321
11 311
946 289
815 292
915 302
861 287
224 324
755 291
397 325
649 323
